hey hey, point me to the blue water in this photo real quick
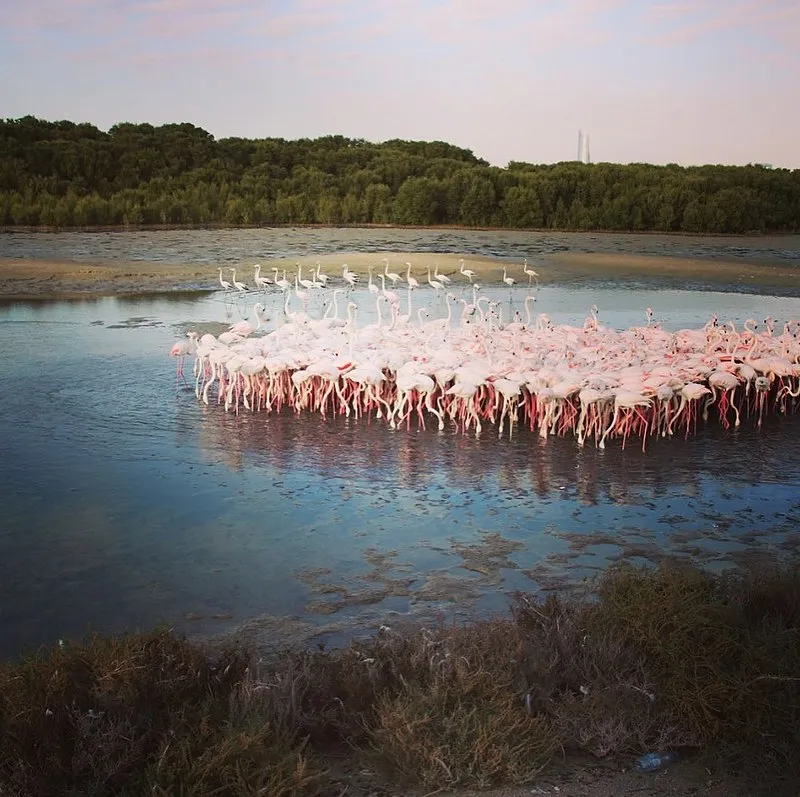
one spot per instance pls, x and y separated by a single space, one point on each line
127 503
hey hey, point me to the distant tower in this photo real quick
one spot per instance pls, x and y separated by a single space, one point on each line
583 147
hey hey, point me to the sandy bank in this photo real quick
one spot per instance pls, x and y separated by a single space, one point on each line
22 278
603 264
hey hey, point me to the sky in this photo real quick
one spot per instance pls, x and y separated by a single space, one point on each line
704 81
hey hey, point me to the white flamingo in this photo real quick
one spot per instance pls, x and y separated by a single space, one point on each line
412 281
508 280
262 283
443 278
349 277
240 286
390 296
467 272
323 278
531 273
373 288
307 284
435 284
393 276
281 283
225 284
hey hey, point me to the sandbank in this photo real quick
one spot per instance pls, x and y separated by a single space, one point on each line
23 278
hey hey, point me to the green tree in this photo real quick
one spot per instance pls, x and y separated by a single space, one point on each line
521 208
417 202
478 204
66 174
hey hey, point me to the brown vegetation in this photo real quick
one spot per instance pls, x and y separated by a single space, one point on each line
654 659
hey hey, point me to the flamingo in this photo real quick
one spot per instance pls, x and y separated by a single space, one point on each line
593 381
435 284
261 282
348 276
394 277
391 296
323 278
245 328
468 273
443 278
182 350
508 280
281 283
373 288
225 284
412 281
531 273
240 286
307 284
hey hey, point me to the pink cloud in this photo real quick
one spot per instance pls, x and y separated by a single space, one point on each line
687 22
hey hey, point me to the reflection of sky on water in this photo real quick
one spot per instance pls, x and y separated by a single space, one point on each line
126 504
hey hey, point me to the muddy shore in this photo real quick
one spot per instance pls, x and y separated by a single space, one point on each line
31 279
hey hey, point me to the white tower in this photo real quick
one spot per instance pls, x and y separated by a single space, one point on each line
583 147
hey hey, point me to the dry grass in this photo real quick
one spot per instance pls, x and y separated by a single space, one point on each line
656 658
133 715
470 731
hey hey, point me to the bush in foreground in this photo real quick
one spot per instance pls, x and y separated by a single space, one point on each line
673 657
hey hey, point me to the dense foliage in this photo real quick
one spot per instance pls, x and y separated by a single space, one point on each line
63 174
664 658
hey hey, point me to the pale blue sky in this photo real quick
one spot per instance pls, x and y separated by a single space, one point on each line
709 81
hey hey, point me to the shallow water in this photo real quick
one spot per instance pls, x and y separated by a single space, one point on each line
234 246
128 503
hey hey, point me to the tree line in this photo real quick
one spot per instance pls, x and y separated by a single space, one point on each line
62 174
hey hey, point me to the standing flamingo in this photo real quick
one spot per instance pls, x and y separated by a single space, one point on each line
468 272
443 278
391 296
349 277
225 284
240 286
435 284
393 276
510 282
245 328
261 282
531 273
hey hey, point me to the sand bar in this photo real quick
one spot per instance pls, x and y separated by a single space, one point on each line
23 278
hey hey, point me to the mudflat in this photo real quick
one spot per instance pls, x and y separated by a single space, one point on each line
26 278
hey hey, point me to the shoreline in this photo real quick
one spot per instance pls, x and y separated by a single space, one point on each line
28 279
589 694
113 228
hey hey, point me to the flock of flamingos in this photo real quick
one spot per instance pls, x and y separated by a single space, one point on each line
470 366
